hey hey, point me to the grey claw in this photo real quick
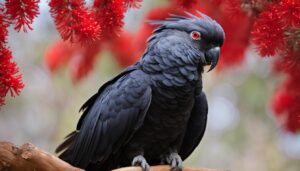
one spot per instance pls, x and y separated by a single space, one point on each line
140 161
175 161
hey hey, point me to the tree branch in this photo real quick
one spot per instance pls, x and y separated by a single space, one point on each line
30 158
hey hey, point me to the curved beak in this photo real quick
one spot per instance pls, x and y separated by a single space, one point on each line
212 57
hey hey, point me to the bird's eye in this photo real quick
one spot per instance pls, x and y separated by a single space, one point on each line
195 35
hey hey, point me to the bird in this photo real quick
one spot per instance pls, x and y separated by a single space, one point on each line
154 111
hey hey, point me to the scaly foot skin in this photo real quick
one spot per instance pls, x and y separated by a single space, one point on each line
175 161
140 161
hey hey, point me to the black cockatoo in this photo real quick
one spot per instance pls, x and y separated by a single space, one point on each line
155 110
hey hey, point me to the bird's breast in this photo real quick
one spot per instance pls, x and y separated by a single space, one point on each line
169 111
167 116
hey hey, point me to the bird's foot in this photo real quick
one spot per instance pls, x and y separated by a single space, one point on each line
140 161
175 161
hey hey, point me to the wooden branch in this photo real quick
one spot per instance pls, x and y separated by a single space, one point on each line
164 168
29 158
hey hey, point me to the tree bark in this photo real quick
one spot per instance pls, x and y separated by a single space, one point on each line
30 158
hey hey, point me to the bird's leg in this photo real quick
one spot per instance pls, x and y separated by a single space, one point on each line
140 161
173 159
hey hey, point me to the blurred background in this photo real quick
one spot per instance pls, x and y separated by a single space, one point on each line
242 133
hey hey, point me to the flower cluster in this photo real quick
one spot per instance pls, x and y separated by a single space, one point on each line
277 32
133 3
74 21
106 32
285 104
22 13
110 13
10 79
89 28
271 32
187 4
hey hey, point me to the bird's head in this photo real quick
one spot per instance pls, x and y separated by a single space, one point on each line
190 37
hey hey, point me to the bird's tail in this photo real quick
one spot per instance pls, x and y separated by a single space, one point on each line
63 147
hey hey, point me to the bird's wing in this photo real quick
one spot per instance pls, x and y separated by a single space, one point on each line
89 103
69 139
116 113
196 126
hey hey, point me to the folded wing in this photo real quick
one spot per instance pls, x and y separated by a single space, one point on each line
109 120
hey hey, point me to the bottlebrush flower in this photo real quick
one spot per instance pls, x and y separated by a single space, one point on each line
236 41
217 2
289 11
268 32
235 8
270 27
249 7
133 3
288 63
74 21
110 14
124 50
83 61
59 54
22 12
80 59
3 29
10 79
187 4
282 101
286 104
292 39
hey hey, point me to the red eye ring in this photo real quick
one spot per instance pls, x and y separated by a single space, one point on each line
195 35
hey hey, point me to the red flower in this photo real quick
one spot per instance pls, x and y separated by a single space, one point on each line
22 12
289 11
110 13
3 29
83 61
286 104
80 59
10 79
268 31
292 123
74 21
234 8
236 39
133 3
270 27
59 54
187 4
282 101
124 50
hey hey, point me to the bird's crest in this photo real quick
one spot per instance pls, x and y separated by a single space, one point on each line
175 17
168 22
190 22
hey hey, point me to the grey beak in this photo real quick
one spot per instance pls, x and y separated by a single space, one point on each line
212 57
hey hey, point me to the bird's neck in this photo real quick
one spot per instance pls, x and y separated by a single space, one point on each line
171 72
